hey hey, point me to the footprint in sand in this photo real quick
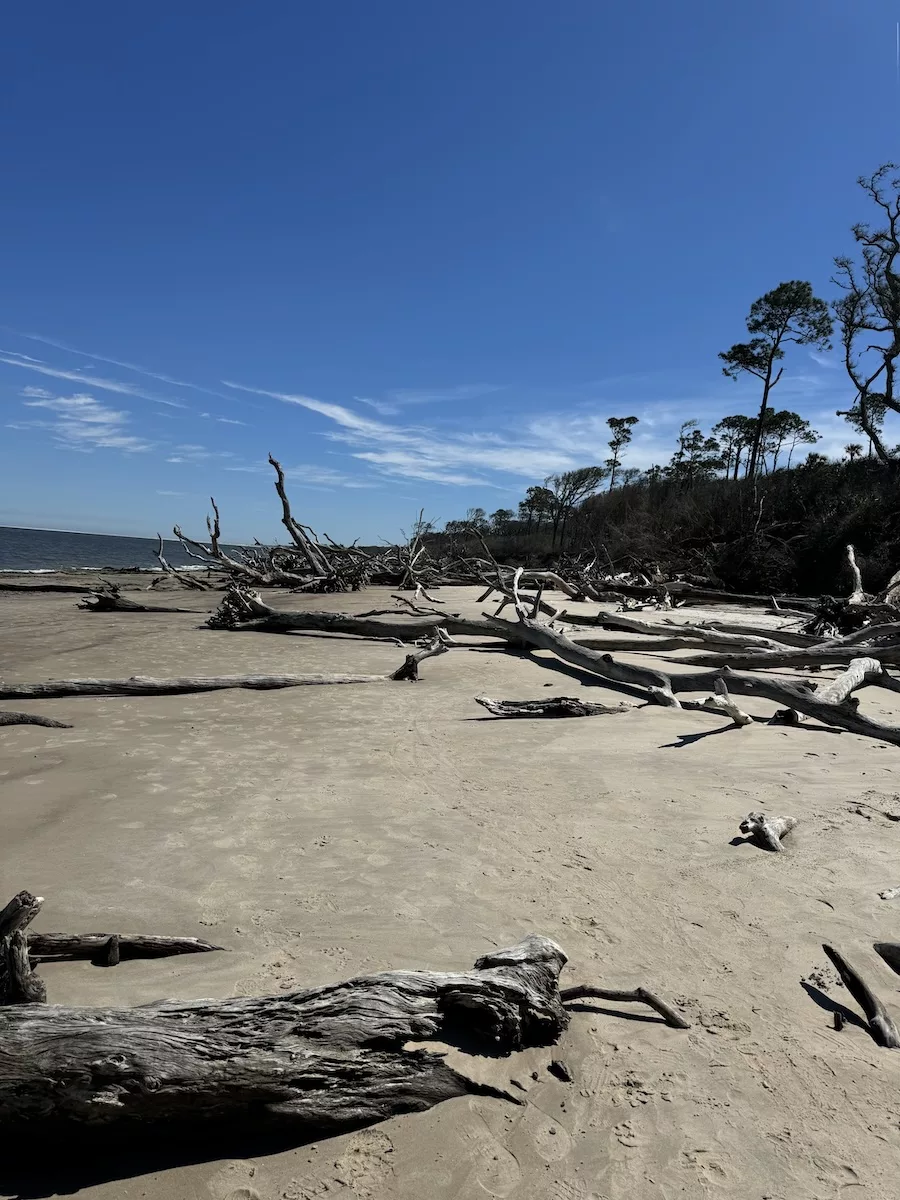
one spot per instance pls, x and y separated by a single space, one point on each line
493 1167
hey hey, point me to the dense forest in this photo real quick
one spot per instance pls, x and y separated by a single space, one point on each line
748 503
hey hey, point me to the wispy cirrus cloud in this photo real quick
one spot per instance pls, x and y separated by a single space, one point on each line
82 423
423 453
113 362
190 452
94 381
399 398
311 475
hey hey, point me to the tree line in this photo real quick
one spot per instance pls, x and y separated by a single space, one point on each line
751 477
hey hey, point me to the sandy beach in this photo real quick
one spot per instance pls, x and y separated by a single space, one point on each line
319 833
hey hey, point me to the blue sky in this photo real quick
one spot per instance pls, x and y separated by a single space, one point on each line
420 251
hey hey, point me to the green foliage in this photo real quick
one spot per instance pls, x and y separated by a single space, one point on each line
620 428
788 313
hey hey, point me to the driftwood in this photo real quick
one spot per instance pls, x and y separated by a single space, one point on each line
19 948
881 1024
552 706
858 595
21 718
768 831
110 599
322 1058
242 610
142 685
18 982
56 946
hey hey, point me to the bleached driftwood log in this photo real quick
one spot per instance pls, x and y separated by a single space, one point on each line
860 672
142 685
881 1024
768 831
320 1058
21 718
858 595
722 702
551 706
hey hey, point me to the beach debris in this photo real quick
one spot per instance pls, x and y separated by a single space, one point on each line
767 831
333 1056
143 685
881 1024
19 949
108 598
889 893
21 718
550 706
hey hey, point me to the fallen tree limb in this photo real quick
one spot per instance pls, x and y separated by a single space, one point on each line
881 1024
140 685
110 599
815 656
768 831
58 946
637 995
860 672
21 718
552 706
664 689
890 951
321 1058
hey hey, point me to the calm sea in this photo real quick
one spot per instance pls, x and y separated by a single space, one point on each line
55 550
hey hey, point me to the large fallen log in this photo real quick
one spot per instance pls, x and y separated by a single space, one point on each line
815 656
142 685
57 946
321 1058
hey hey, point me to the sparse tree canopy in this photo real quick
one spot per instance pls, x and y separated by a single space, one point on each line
789 313
868 311
620 428
570 489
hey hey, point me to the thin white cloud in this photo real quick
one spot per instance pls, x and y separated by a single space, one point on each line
190 452
824 360
106 385
166 492
81 423
427 454
113 362
399 398
310 475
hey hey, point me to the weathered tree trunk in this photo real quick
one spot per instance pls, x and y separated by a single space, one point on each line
18 983
321 1058
860 672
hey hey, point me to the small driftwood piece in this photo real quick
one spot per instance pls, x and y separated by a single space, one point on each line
889 894
881 1024
18 983
768 831
142 685
21 718
638 995
552 706
56 946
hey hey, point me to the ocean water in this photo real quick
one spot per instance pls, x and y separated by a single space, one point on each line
56 550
